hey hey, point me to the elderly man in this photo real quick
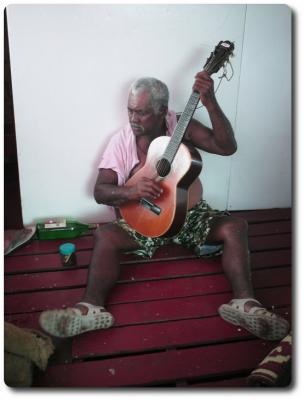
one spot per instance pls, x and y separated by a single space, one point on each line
126 153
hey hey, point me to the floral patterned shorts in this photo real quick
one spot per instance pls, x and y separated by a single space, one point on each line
192 235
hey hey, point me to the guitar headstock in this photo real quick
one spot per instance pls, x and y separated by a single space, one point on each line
219 56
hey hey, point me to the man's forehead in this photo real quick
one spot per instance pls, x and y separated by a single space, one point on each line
141 99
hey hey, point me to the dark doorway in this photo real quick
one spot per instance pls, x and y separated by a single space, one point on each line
12 201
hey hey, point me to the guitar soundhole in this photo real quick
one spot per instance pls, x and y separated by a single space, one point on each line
163 167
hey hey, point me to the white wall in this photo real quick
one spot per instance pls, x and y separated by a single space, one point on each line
71 68
261 169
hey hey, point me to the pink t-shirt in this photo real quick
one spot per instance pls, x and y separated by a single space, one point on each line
120 154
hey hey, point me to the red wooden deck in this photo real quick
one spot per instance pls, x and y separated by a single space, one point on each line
167 330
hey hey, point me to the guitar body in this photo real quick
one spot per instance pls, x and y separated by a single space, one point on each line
174 166
171 206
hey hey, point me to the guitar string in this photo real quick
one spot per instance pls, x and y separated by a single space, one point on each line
162 171
224 75
162 164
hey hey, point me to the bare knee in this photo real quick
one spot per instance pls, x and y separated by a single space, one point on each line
106 235
235 227
113 237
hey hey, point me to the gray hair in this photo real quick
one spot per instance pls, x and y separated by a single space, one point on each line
158 91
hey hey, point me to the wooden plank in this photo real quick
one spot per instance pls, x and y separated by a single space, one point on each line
259 243
158 306
158 269
269 228
158 368
273 214
70 278
166 335
221 383
26 320
195 307
37 247
49 262
255 244
271 277
157 310
51 246
152 290
172 252
86 242
270 258
42 262
153 271
45 280
52 262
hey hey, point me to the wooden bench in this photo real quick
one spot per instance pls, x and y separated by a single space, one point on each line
167 331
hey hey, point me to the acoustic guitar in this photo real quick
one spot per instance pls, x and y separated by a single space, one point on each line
174 165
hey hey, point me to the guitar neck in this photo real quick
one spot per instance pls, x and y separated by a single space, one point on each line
181 127
214 62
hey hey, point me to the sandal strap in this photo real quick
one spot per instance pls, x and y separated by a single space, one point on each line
265 312
254 309
88 305
258 310
92 309
240 303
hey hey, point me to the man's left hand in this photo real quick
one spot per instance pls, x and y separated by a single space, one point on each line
204 85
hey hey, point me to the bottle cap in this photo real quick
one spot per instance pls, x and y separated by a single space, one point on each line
67 248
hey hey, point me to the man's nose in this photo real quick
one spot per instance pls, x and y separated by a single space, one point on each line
134 117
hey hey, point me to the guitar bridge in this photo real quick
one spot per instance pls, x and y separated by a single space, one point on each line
150 206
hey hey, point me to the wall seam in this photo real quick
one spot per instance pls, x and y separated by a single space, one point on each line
236 111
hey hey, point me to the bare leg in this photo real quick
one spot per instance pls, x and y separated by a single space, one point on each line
233 232
110 241
244 310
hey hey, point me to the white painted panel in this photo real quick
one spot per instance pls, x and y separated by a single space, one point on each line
71 68
262 168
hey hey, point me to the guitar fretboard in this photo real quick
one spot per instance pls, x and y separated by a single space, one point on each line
214 62
181 127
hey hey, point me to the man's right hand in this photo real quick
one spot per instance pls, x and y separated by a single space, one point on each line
145 188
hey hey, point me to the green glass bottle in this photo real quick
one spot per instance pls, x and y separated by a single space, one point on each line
61 229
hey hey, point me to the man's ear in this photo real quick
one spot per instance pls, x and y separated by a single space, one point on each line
163 110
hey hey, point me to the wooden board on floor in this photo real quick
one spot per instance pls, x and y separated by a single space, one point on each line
167 330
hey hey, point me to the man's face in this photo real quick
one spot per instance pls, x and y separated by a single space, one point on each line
143 119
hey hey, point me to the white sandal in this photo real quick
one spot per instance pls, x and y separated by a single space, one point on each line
257 320
71 322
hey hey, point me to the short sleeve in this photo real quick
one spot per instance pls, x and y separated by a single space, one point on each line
113 158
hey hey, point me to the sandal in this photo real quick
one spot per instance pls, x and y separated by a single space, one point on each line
257 320
71 322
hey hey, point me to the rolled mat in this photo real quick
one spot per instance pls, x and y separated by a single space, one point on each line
275 369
